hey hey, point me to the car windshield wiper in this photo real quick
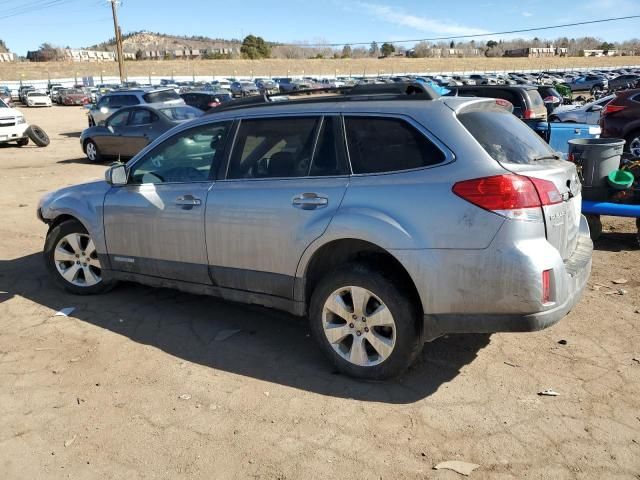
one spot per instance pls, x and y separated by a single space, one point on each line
547 157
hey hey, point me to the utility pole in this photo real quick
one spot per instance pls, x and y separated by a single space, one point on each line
118 39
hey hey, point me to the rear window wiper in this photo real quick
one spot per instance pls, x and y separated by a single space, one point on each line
547 157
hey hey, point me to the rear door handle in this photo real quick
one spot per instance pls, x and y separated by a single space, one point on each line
309 201
187 202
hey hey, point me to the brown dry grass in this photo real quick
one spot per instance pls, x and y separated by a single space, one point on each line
278 67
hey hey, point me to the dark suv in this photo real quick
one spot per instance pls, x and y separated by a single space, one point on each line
527 102
621 119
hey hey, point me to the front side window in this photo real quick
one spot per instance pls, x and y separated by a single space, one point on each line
119 119
273 148
188 156
379 145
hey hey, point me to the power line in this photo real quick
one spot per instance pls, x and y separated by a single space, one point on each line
457 37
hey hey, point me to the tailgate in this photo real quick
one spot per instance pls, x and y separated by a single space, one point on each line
562 220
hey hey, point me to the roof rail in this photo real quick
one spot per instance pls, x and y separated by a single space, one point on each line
387 91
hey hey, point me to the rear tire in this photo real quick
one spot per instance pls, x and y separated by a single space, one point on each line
23 141
38 136
375 337
632 144
81 274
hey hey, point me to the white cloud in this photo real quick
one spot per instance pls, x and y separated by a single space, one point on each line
527 14
399 17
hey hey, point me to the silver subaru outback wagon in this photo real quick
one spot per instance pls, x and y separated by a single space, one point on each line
388 220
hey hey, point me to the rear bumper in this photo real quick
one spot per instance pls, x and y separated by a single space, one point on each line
577 271
498 289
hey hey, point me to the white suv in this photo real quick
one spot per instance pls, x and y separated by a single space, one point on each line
13 126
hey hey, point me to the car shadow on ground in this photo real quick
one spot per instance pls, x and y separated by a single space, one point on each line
270 346
70 134
78 160
617 242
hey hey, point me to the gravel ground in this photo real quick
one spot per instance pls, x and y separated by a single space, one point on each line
133 383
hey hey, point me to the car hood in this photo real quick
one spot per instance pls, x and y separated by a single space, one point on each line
10 112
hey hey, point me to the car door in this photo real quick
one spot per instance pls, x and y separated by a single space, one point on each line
154 225
284 182
139 131
109 137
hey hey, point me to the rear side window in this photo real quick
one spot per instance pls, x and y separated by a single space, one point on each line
142 117
161 96
379 145
504 137
273 148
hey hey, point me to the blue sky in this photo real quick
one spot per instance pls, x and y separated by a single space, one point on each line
79 23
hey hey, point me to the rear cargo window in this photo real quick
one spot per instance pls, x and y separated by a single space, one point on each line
504 137
161 96
387 145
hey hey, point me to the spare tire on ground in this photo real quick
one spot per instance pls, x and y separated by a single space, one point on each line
38 136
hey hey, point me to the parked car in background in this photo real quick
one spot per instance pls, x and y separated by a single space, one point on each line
5 96
587 113
131 129
206 100
588 83
527 102
451 216
332 83
74 96
621 119
38 99
267 86
244 89
551 97
115 100
13 126
624 81
54 91
22 92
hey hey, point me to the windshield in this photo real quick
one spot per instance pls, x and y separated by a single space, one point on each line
36 94
161 96
504 137
181 113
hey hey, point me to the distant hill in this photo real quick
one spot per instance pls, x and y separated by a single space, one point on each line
149 41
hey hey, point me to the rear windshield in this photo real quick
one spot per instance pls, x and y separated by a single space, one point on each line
504 137
181 113
536 99
161 96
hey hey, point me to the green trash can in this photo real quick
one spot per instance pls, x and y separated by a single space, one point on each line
595 159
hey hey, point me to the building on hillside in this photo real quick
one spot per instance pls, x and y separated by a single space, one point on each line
602 53
537 52
7 57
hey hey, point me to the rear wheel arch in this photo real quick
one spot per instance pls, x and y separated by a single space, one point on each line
338 253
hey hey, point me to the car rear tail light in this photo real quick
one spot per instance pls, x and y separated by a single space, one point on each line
546 286
528 114
512 196
505 103
613 109
214 104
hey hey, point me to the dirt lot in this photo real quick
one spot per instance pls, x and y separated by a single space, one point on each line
279 67
97 394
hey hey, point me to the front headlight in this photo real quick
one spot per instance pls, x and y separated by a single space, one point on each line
20 120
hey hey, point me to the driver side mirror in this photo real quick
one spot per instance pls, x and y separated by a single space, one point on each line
597 108
116 174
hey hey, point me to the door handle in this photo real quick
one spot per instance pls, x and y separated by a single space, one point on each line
309 201
187 202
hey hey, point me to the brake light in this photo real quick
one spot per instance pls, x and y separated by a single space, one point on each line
613 109
528 114
512 196
505 103
546 286
214 104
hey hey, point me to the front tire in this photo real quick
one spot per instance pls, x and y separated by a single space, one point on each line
364 324
23 142
92 152
72 261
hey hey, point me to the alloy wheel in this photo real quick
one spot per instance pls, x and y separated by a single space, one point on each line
92 152
77 261
359 326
